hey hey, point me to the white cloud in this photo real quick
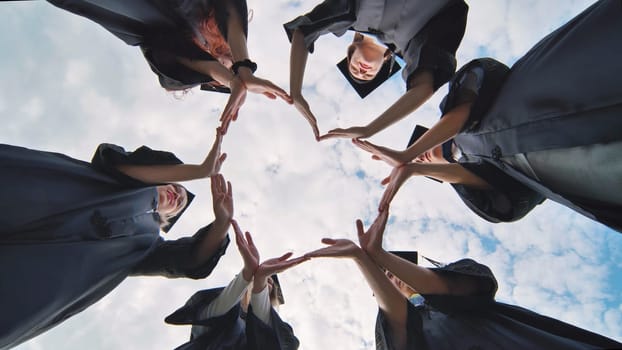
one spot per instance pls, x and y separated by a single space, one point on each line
289 190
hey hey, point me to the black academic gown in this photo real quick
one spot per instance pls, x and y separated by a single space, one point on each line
479 322
432 47
234 330
71 231
161 29
558 95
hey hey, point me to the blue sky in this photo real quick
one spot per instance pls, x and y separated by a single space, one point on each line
67 85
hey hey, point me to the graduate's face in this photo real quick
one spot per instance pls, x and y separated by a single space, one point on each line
435 155
171 199
366 58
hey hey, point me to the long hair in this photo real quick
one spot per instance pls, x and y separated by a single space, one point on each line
201 15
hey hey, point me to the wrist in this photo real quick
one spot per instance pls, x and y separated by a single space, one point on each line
247 273
245 65
260 283
221 225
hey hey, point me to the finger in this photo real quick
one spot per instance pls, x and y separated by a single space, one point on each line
386 180
331 135
318 253
375 157
360 230
221 160
234 117
224 126
229 189
249 238
236 227
285 256
269 95
328 241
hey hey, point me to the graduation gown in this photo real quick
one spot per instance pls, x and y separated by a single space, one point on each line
71 231
558 96
425 34
234 330
479 322
162 30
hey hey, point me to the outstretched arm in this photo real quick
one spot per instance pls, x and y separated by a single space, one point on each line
421 279
297 63
181 172
222 203
445 129
422 89
449 172
389 299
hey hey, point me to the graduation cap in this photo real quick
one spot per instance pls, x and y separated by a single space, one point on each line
410 255
365 87
173 220
276 288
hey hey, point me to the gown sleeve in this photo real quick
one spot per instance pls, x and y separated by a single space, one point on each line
108 157
178 258
507 201
220 332
278 335
331 16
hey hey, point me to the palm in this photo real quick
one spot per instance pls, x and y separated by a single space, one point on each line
222 199
398 177
235 102
337 248
303 107
276 265
247 248
389 156
352 133
371 241
265 87
214 158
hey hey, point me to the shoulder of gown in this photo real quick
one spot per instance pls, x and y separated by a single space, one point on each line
331 16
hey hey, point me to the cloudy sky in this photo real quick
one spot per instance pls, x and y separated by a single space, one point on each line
67 85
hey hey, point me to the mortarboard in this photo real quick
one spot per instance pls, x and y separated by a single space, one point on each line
364 88
276 285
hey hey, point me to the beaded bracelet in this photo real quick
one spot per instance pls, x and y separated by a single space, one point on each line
244 63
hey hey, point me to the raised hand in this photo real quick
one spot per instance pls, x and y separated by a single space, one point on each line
392 157
337 248
371 241
352 133
212 163
303 107
248 251
272 266
222 200
262 86
395 180
236 100
276 265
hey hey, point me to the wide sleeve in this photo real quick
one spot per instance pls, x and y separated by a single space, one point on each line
478 82
108 157
331 16
221 332
179 258
507 201
278 335
464 273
